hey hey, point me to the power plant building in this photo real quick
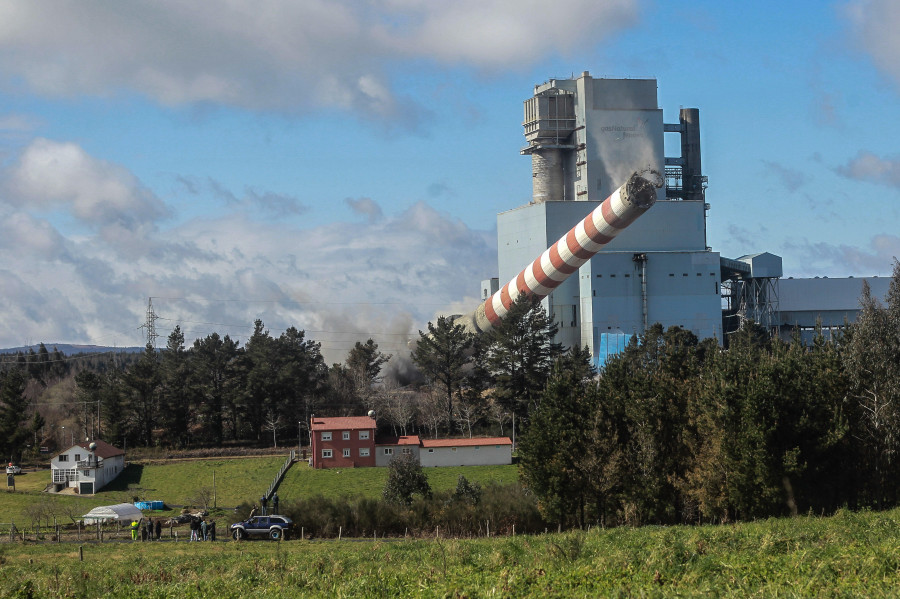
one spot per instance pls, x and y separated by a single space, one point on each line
586 137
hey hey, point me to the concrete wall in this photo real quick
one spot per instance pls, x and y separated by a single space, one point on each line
484 455
683 289
385 453
801 302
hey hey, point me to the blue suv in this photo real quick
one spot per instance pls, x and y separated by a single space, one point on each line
275 527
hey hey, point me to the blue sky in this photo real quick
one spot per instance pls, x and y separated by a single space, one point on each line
338 166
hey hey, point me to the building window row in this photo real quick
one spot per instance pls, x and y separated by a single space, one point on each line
403 450
363 452
345 435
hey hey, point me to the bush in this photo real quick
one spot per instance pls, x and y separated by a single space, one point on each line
405 479
500 508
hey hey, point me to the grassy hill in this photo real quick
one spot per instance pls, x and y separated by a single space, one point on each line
180 482
848 555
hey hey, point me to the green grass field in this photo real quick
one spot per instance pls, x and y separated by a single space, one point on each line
237 480
302 481
848 555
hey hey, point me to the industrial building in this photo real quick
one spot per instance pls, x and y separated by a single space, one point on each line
586 137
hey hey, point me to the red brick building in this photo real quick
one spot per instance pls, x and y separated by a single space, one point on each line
342 442
350 443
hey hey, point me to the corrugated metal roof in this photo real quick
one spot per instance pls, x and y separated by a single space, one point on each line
477 441
344 423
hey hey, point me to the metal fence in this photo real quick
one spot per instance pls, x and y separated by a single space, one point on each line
284 468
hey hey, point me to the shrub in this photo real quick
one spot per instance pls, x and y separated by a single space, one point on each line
405 479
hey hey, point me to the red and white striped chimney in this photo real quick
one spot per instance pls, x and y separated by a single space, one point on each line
572 250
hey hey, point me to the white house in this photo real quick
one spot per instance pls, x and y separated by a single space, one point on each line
466 452
87 466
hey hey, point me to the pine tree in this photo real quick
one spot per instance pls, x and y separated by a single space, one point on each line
872 361
554 444
442 355
521 354
14 430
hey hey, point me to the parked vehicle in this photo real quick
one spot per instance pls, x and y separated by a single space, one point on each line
13 469
274 527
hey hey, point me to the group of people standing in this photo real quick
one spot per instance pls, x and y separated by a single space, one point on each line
264 502
201 530
146 531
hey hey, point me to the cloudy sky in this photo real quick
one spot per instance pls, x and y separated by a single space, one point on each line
338 165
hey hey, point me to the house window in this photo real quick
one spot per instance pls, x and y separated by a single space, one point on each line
388 451
407 450
345 435
326 453
363 435
326 436
77 457
63 458
346 452
452 449
431 450
477 447
363 452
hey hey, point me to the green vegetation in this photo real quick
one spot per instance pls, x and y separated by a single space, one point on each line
405 479
850 554
238 480
302 482
679 430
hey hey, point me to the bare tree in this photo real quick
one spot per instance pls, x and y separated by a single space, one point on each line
203 497
467 413
431 411
397 405
498 413
272 423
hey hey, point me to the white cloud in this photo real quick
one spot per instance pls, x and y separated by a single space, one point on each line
841 259
874 25
366 207
502 33
17 123
285 55
51 174
342 283
792 179
869 167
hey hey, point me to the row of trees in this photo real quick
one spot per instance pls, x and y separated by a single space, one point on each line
679 430
217 391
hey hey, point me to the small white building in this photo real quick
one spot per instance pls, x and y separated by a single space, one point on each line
483 451
388 447
87 467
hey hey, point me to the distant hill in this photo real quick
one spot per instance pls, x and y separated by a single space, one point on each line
70 349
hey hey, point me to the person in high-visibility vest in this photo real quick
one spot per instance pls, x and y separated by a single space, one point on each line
134 530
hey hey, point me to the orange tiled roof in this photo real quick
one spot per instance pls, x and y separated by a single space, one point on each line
466 442
345 423
404 440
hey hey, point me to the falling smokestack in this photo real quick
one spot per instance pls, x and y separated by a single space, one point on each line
572 250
